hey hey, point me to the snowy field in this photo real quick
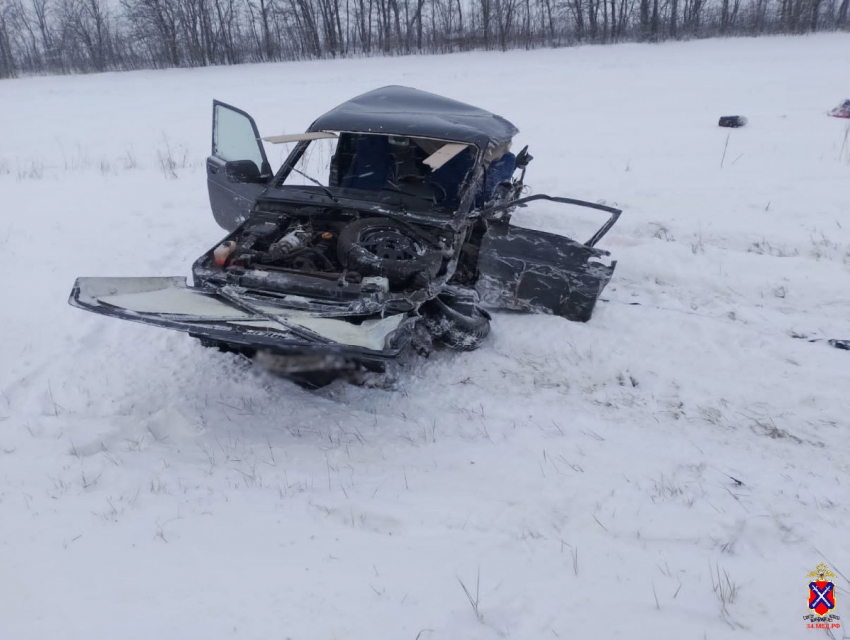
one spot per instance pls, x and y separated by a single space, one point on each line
672 469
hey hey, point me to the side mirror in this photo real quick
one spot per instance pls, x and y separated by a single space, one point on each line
242 171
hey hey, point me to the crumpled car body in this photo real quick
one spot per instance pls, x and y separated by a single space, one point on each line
394 235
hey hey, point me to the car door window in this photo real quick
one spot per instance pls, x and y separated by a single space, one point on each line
234 137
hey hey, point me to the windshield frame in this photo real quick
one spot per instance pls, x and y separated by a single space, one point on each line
402 201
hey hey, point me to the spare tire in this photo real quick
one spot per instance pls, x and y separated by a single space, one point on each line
389 248
462 327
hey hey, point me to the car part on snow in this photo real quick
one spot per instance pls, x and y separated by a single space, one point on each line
389 248
844 345
732 121
455 321
841 111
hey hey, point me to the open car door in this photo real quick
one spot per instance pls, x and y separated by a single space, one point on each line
238 170
534 271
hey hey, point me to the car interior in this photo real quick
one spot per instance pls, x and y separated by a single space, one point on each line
371 162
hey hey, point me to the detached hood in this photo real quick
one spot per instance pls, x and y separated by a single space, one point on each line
226 315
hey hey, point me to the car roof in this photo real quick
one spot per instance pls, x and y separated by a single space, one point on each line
404 111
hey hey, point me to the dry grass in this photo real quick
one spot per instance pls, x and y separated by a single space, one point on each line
474 602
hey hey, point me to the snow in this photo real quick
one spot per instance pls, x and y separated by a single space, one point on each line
584 480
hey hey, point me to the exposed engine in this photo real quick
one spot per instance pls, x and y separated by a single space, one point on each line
370 254
271 244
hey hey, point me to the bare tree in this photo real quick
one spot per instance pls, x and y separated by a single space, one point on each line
62 36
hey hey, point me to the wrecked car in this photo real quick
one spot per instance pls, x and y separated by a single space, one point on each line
387 228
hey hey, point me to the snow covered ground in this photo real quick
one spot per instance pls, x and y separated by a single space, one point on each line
671 469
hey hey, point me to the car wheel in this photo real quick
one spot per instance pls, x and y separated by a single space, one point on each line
385 247
462 327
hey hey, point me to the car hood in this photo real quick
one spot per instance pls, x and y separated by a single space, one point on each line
227 316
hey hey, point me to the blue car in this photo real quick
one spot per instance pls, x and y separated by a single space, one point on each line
386 230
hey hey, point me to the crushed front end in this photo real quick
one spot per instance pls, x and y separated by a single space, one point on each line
310 292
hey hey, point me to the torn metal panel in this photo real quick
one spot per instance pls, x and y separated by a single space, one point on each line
170 303
500 209
442 155
533 271
300 137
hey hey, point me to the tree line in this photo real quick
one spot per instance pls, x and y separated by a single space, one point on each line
80 36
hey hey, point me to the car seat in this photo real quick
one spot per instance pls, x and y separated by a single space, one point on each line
371 166
449 178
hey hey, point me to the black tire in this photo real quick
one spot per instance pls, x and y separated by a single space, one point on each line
462 327
407 256
313 379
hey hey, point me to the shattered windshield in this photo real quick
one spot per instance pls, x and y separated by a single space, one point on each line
417 173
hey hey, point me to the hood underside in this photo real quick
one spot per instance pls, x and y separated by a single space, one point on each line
169 302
